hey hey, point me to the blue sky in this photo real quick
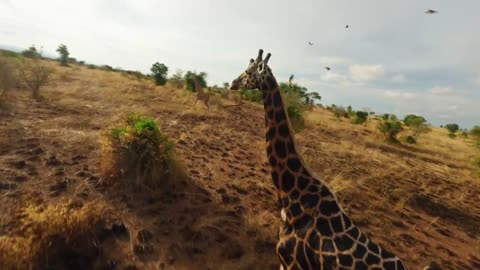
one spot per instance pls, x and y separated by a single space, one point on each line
392 58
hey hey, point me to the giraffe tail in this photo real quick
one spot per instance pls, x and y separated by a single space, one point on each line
432 266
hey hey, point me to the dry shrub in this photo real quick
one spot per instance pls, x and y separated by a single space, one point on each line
55 237
8 80
34 75
137 150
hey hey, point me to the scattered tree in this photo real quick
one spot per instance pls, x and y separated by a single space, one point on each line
63 51
418 124
31 52
226 85
390 127
452 129
159 73
360 117
475 132
34 75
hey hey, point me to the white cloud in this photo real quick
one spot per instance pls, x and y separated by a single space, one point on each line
366 72
441 90
334 60
334 77
398 78
399 94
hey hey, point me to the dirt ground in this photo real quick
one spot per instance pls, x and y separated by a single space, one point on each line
421 202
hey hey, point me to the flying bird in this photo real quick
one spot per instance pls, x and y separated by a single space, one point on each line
431 11
290 81
327 68
310 43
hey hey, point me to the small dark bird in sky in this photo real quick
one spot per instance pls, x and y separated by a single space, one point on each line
310 43
346 26
290 83
431 11
327 68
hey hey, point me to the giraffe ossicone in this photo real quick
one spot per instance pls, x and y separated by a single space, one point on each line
316 232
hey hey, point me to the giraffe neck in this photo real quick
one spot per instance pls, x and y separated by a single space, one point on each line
198 87
282 152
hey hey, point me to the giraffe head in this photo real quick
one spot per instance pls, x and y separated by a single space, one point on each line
258 75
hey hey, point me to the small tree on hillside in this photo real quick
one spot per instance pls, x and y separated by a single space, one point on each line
475 132
452 129
34 75
360 117
159 73
31 52
418 124
189 83
63 51
390 127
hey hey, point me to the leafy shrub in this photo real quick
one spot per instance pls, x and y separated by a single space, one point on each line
360 117
159 73
91 66
410 139
452 127
390 127
190 84
31 52
34 75
418 124
251 95
137 149
64 53
475 132
106 68
8 53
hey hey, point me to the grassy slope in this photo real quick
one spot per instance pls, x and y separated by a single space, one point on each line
420 201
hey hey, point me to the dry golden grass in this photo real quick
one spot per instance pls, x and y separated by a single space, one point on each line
47 233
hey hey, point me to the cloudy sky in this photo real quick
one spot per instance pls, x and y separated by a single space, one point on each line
392 58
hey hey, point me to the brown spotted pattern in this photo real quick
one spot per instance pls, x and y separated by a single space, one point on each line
316 234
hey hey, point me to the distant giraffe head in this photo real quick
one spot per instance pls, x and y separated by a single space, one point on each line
258 75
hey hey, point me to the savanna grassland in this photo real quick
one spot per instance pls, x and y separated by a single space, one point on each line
219 209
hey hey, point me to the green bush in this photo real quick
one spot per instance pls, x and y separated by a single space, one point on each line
390 127
159 73
475 132
136 149
31 52
410 139
360 117
418 125
251 95
452 127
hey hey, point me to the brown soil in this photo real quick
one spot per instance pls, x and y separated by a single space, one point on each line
420 202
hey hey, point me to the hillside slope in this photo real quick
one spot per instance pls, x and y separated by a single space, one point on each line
421 202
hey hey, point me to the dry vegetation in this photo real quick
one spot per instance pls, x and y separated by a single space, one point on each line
58 210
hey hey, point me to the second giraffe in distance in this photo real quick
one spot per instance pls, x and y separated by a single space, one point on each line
316 232
201 95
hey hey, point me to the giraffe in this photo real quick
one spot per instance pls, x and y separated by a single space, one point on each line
201 95
316 232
